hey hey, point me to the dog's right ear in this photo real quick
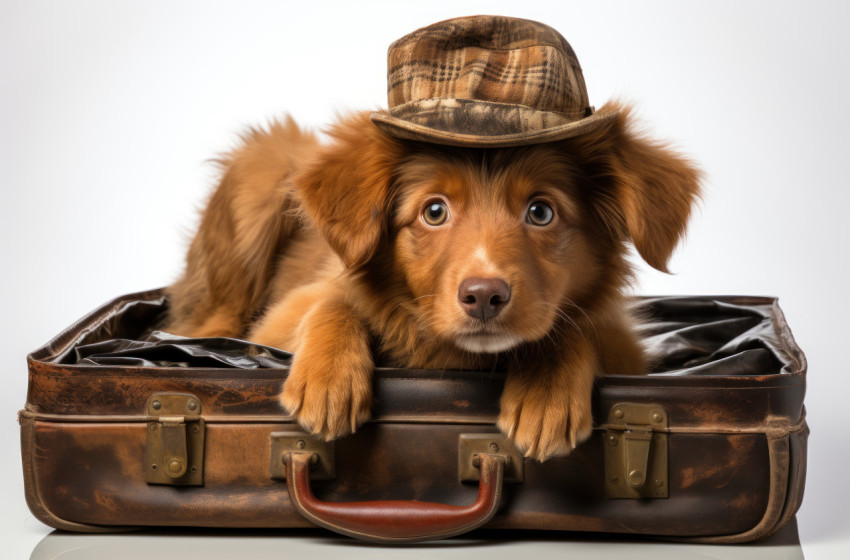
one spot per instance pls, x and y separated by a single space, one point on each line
346 189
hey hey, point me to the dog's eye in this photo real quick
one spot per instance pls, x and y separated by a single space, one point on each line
436 213
539 213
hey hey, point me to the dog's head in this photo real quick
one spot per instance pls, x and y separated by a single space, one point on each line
489 247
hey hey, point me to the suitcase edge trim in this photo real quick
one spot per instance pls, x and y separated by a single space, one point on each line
783 501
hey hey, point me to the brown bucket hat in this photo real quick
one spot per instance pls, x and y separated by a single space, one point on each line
486 81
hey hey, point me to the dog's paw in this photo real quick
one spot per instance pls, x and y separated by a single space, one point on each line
543 422
326 402
329 388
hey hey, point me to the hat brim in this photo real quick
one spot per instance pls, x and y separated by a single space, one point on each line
472 123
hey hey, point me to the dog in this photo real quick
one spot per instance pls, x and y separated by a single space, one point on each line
374 249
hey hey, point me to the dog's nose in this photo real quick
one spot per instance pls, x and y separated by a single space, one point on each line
483 298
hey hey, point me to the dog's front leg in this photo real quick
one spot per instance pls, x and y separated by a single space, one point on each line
546 404
329 388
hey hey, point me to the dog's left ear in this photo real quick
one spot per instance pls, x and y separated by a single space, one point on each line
346 189
649 187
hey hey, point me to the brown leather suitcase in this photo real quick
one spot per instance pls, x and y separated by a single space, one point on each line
127 427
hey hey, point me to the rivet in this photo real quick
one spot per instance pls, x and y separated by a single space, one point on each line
615 479
192 405
156 405
194 468
657 417
494 446
300 444
153 427
635 476
153 467
174 465
613 440
314 460
659 483
195 429
618 413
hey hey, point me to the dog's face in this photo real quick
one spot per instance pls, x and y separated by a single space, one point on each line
491 244
488 248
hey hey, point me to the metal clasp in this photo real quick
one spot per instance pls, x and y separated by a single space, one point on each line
470 445
174 452
636 452
281 444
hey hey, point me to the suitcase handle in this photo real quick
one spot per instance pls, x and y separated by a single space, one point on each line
394 521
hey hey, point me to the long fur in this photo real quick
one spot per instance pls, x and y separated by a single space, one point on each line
322 250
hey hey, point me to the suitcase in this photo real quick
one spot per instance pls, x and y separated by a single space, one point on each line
128 427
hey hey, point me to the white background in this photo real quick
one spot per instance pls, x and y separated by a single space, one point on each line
110 111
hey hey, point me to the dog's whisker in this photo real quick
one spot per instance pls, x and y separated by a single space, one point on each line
560 312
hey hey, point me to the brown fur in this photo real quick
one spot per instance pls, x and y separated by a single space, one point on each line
322 250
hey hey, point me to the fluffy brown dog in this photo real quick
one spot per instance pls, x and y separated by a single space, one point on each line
373 249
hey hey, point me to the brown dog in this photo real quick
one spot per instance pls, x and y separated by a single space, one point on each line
371 248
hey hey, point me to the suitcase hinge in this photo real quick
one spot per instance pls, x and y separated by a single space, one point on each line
636 452
174 453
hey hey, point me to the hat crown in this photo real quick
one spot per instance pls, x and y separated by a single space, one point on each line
486 81
488 58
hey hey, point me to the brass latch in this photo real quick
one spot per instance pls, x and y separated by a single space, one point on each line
636 452
281 444
174 453
469 445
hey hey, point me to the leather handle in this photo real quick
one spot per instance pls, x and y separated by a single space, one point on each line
395 521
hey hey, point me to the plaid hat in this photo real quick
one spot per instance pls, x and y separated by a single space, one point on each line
486 81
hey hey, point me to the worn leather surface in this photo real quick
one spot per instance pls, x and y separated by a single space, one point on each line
731 381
